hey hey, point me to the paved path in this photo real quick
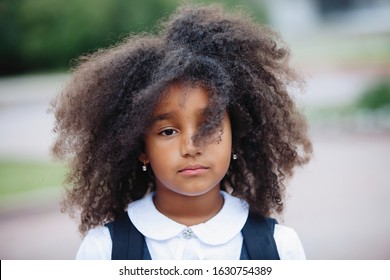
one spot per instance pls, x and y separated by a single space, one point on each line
339 203
38 232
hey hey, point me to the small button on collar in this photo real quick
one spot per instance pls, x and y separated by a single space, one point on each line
188 233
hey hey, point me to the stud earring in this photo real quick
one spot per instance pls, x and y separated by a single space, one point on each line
144 167
234 156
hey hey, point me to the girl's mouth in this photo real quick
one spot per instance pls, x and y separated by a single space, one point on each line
195 169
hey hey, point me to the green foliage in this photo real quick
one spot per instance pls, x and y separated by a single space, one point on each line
376 97
41 35
44 34
17 177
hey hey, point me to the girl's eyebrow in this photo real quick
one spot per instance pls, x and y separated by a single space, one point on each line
162 117
171 115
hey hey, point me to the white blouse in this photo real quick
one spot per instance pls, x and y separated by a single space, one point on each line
218 238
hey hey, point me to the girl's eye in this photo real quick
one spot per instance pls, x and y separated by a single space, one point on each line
168 132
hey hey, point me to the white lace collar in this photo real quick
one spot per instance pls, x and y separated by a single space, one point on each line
218 230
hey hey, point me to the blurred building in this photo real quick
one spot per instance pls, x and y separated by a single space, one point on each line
308 17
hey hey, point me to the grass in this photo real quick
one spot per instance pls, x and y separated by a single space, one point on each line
18 176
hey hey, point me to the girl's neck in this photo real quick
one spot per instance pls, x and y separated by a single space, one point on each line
188 210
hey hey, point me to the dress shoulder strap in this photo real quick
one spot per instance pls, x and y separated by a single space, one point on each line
258 237
127 242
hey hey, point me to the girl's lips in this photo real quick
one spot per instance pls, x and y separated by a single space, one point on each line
193 170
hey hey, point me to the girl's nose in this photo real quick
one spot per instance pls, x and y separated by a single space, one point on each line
188 148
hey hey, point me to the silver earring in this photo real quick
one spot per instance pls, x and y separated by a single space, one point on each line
235 156
144 167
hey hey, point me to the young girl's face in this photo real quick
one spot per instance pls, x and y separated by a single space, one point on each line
179 165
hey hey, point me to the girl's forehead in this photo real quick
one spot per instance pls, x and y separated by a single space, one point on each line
181 96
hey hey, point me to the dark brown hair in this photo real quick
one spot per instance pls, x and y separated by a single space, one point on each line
105 109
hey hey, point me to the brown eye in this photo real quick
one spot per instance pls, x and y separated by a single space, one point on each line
168 132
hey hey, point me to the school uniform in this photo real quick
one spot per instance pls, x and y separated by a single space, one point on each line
218 238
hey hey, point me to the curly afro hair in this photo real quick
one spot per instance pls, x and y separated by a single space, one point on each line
105 109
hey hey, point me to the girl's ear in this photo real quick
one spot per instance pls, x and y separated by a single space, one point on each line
143 158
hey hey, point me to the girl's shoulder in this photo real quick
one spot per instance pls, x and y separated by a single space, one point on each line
288 243
96 245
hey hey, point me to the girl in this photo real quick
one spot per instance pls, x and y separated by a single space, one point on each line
179 137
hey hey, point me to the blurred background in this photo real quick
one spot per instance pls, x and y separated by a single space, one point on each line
339 203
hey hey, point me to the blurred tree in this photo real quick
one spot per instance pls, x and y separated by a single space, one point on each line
376 97
43 35
11 33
